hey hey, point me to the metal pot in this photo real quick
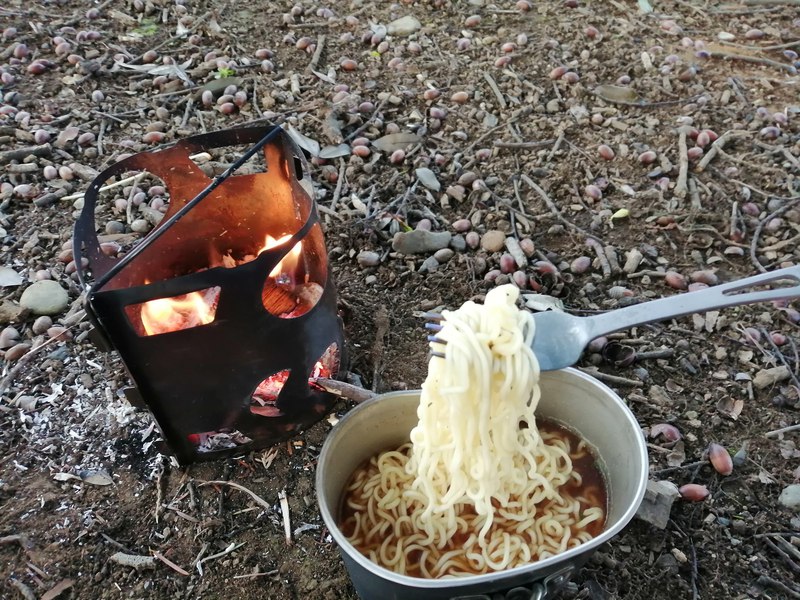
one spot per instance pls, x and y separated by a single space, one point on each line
595 411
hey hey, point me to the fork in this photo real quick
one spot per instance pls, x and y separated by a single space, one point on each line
559 338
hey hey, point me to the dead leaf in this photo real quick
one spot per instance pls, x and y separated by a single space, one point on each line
305 142
428 179
658 395
337 151
396 141
617 94
677 455
59 588
96 477
65 477
673 386
9 277
730 408
543 302
765 478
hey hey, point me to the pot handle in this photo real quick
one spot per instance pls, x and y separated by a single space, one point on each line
540 590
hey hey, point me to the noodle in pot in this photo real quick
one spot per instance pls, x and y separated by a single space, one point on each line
479 488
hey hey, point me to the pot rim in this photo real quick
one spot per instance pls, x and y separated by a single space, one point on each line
551 562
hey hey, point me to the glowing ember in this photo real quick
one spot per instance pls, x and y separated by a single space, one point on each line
268 390
179 312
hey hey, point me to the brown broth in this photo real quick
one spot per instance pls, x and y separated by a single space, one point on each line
593 485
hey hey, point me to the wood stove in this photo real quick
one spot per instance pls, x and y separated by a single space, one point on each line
225 312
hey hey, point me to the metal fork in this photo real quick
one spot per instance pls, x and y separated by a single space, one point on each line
560 338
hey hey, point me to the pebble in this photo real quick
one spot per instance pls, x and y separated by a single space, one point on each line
42 324
462 225
17 352
367 258
420 241
790 497
473 239
443 255
458 243
44 297
428 265
456 192
8 337
403 26
493 240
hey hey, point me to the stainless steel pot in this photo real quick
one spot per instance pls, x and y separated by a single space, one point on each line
568 396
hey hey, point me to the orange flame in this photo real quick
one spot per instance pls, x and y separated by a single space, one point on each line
179 312
289 262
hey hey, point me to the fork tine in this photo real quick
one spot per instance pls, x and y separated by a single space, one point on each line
436 340
434 326
432 316
437 354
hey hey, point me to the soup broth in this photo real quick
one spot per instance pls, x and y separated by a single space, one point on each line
377 522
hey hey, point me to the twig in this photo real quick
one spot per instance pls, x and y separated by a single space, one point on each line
233 546
317 54
695 594
339 183
366 123
754 59
345 390
786 558
777 432
252 575
21 153
692 465
611 378
694 195
523 145
601 255
757 234
258 499
498 94
554 209
25 359
718 145
781 357
556 146
170 564
683 165
771 2
116 544
24 590
137 561
287 523
767 581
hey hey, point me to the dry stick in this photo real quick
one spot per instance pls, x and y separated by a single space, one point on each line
25 359
339 183
24 590
345 390
692 465
21 153
601 256
787 559
757 233
611 378
683 165
554 209
523 145
317 54
771 2
253 575
233 546
495 89
366 123
694 195
754 59
287 523
781 357
767 581
258 499
718 145
777 432
170 564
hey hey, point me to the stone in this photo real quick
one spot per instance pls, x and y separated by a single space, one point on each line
429 265
403 26
44 297
10 312
367 258
443 255
790 497
493 240
420 241
458 243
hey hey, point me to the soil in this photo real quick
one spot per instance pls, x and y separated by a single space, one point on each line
81 475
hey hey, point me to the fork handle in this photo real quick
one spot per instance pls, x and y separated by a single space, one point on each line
719 296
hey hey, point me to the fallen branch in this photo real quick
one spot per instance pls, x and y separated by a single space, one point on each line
756 60
345 390
258 499
170 564
683 165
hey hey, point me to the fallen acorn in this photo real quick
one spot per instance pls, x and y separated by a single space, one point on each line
720 459
693 492
670 432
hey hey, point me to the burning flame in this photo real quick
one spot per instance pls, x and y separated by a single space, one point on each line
289 262
179 312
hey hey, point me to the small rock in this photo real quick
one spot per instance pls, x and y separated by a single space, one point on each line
17 352
458 243
456 192
10 312
367 258
493 240
428 179
473 239
443 255
403 26
44 297
790 497
462 225
428 265
8 337
420 241
42 324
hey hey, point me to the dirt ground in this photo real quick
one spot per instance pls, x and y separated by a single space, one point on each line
531 118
